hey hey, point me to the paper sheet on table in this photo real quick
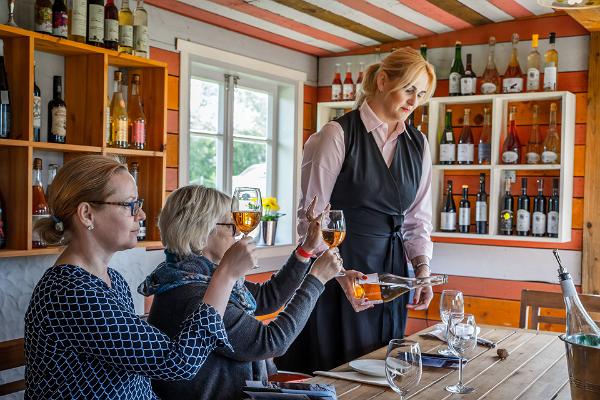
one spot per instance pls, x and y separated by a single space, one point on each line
355 376
439 332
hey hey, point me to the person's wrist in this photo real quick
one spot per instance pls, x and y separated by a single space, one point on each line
422 270
224 275
305 251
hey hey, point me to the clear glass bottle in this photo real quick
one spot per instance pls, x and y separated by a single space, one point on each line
484 147
39 206
551 65
534 145
135 172
137 118
511 148
140 30
77 20
490 80
456 71
336 85
125 28
533 65
551 146
348 85
118 115
466 147
382 287
52 170
513 76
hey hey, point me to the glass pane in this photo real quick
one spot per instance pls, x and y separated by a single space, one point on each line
204 106
203 161
251 116
250 165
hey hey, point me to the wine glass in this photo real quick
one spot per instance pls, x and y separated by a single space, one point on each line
462 337
333 229
403 366
451 301
246 209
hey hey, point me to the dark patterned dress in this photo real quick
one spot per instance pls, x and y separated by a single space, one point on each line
83 340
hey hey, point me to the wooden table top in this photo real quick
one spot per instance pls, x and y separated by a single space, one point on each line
535 369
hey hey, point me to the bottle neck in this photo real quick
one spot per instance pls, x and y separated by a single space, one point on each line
466 120
449 121
465 193
552 123
458 55
482 186
135 89
491 63
57 92
37 177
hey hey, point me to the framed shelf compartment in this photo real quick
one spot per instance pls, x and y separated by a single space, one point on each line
326 111
496 172
86 80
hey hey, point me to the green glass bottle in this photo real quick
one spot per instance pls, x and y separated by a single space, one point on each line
457 71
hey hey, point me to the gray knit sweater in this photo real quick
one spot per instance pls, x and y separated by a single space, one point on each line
224 373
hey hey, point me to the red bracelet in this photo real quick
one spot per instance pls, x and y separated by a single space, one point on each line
303 253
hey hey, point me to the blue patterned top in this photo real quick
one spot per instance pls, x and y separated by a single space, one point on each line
83 340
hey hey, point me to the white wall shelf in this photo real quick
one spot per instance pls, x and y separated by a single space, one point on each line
327 111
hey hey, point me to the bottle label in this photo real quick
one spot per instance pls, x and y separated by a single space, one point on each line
553 222
142 233
466 152
37 111
348 91
138 132
96 23
484 152
539 223
60 24
140 38
506 220
488 88
447 152
371 278
4 98
43 19
512 85
533 79
111 30
480 211
454 83
549 157
126 35
336 91
523 220
510 157
467 85
120 129
78 17
59 121
550 77
464 216
533 157
448 222
449 136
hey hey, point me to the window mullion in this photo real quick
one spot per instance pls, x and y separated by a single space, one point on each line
228 134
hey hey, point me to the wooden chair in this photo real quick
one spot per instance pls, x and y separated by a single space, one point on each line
12 355
537 299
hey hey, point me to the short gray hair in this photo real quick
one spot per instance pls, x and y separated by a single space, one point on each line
189 216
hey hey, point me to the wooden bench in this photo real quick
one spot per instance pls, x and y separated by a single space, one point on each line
12 355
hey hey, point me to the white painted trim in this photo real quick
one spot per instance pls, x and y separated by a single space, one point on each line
184 118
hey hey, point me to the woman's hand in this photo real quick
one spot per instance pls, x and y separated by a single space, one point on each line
239 258
346 282
423 296
313 238
326 266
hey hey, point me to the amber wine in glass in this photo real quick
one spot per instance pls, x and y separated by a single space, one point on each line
333 229
246 207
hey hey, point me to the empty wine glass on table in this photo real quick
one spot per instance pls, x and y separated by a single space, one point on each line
403 366
333 229
451 301
462 338
246 209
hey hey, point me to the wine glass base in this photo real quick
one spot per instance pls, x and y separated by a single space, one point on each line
446 352
460 389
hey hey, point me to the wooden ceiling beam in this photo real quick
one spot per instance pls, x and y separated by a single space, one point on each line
460 11
589 18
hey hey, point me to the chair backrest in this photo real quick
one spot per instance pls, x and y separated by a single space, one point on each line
536 300
12 355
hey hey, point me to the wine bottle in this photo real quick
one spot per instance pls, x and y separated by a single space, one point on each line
39 206
107 131
137 119
37 108
77 20
336 85
534 145
448 215
424 124
511 148
513 76
3 238
125 28
140 30
481 208
484 147
111 25
57 114
468 81
95 28
553 211
466 148
538 226
52 170
523 211
348 86
447 144
490 80
60 19
533 65
423 50
43 16
118 115
506 213
359 80
135 172
551 65
456 71
581 329
551 146
464 211
5 117
382 287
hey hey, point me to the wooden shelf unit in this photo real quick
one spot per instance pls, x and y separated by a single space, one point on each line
85 90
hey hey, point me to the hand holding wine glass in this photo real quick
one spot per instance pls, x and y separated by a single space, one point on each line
313 240
246 209
403 367
462 338
451 301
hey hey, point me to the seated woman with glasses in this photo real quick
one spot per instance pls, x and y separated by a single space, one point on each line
82 337
197 228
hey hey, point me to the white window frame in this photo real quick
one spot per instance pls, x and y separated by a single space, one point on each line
190 51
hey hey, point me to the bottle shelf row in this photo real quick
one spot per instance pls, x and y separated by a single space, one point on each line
74 148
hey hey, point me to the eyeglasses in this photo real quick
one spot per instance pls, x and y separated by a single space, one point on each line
134 206
231 225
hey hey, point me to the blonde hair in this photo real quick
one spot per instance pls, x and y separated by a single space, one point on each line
189 216
403 66
82 179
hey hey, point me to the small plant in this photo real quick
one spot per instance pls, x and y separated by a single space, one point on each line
270 209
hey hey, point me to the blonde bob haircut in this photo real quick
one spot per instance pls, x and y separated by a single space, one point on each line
402 66
189 216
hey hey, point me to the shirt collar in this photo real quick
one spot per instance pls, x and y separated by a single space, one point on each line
372 122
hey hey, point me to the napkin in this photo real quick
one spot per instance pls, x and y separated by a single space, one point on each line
439 331
354 376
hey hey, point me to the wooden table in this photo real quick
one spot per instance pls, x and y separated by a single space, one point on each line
536 369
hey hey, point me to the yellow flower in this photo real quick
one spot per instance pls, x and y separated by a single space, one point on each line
270 203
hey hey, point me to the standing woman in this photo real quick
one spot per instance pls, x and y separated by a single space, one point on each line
377 169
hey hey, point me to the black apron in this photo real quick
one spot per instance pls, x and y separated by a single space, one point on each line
374 199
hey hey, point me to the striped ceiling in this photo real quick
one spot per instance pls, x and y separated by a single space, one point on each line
327 27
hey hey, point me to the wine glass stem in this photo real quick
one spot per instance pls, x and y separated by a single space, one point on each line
460 367
447 334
